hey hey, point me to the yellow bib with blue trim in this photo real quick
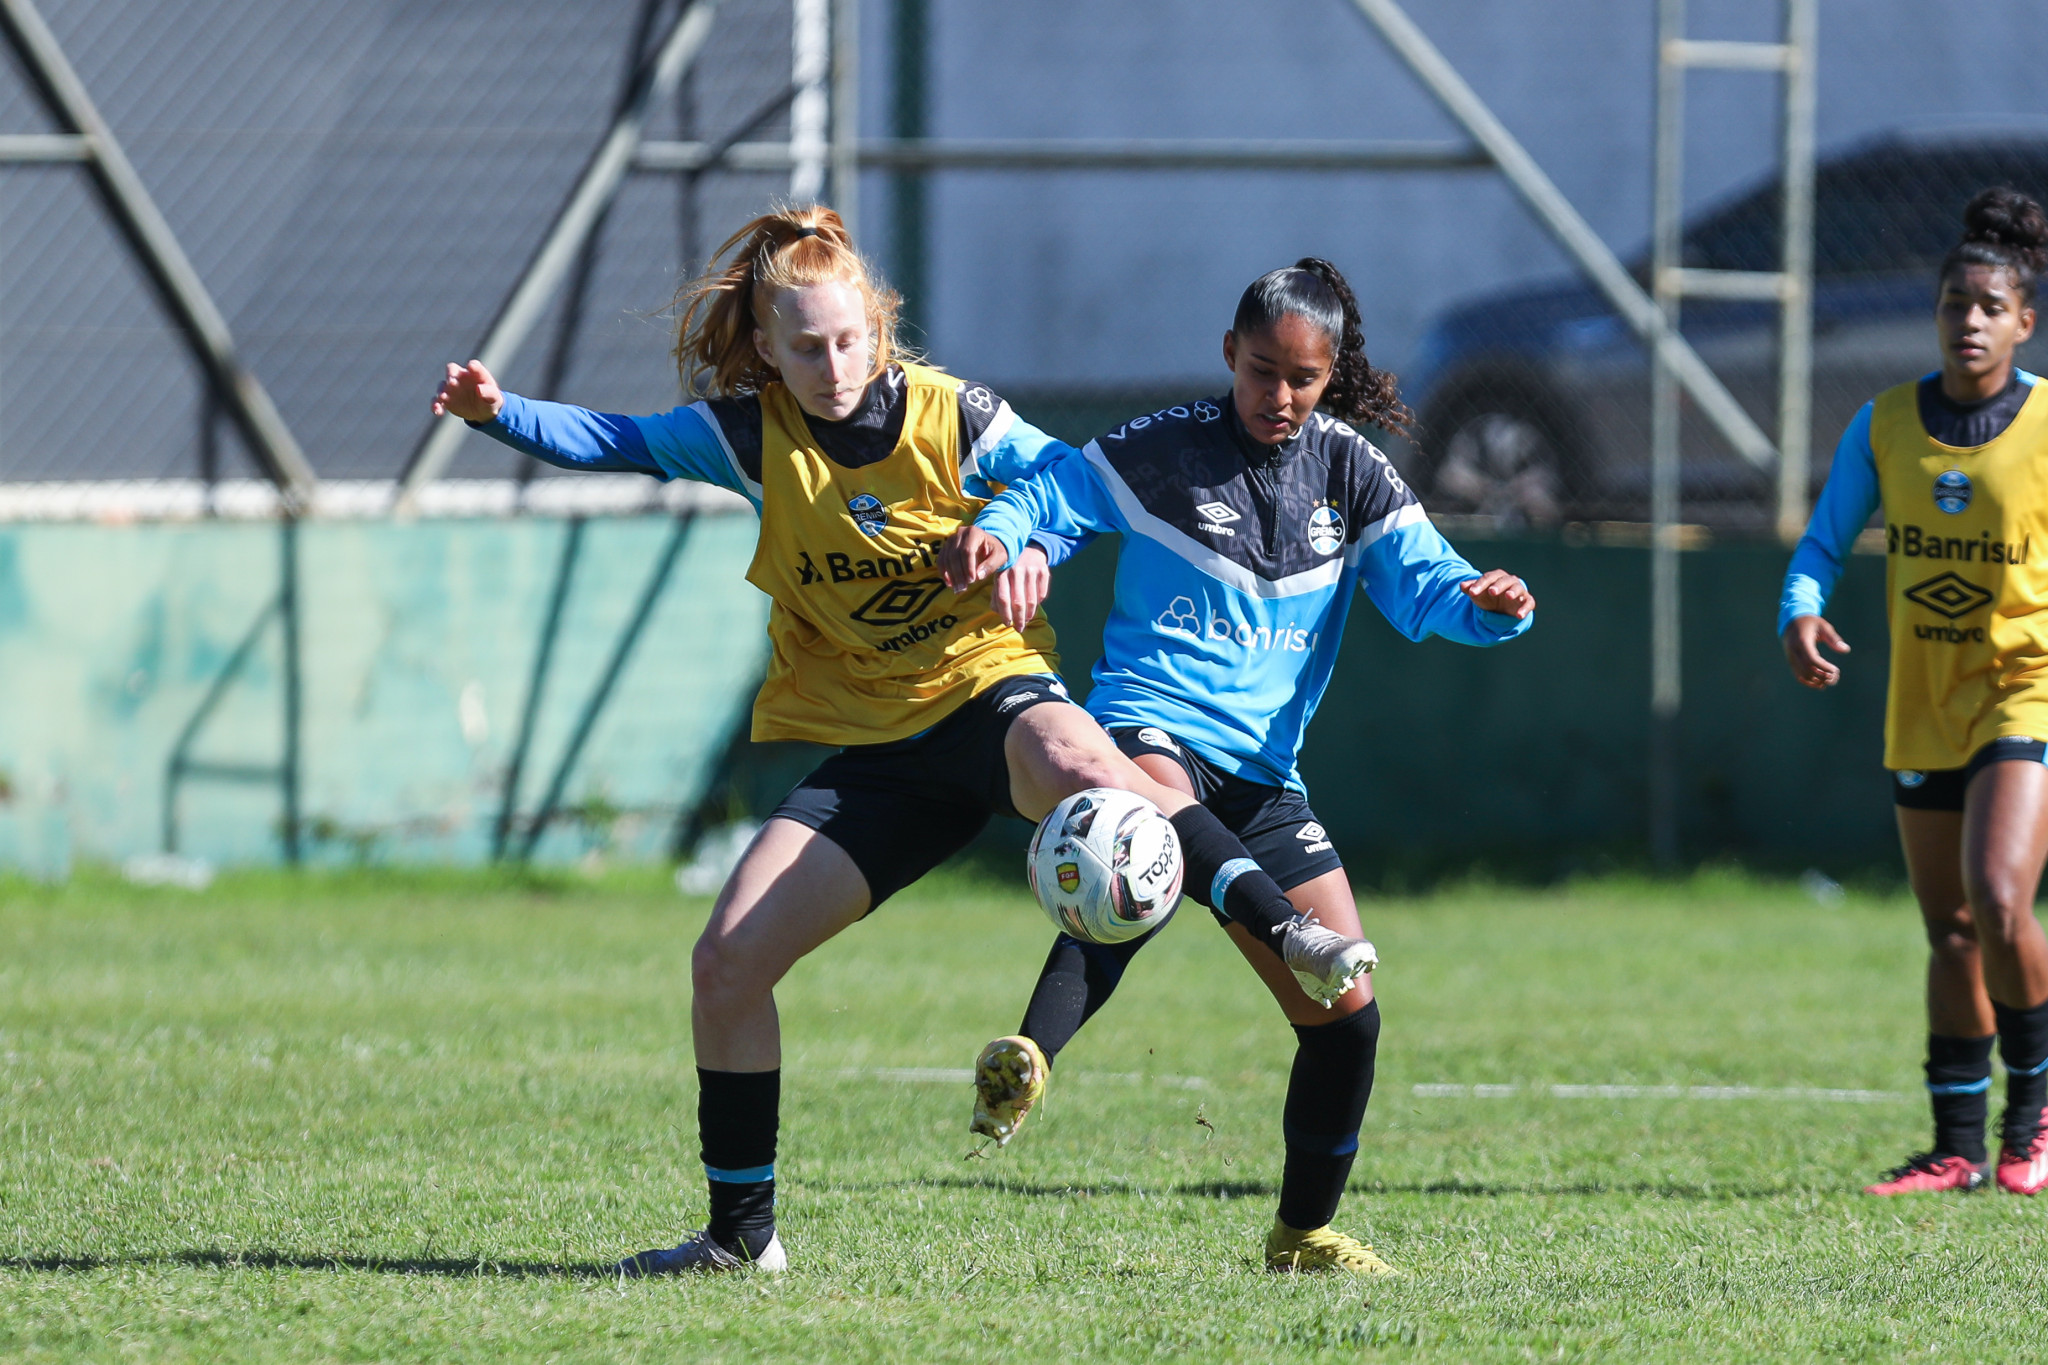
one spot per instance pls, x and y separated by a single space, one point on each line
1966 583
869 645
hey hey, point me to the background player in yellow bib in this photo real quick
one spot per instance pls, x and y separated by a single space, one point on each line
1959 462
860 464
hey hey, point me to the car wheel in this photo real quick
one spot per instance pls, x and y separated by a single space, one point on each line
1501 460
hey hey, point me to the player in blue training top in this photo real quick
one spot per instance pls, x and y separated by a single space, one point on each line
1247 521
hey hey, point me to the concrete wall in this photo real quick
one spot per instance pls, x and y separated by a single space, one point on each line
418 642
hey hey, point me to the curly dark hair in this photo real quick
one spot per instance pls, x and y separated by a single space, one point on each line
1315 290
2003 228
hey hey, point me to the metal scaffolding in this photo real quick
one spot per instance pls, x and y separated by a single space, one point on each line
1790 287
1491 146
86 140
1677 369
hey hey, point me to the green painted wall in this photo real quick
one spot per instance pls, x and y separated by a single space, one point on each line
1424 757
417 644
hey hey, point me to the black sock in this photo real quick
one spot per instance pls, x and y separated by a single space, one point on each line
2023 1047
1218 867
1077 980
1326 1095
737 1113
1959 1085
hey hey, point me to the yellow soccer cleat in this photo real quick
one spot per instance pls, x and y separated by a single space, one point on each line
1321 1249
1009 1077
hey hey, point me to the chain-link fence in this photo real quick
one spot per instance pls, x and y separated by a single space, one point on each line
358 185
1535 402
1086 295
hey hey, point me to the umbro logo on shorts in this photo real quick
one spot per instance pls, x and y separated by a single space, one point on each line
1313 835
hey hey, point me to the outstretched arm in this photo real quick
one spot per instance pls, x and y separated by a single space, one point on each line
675 445
1424 587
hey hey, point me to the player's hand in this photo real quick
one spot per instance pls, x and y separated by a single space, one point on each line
1022 586
469 392
1803 641
969 555
1499 591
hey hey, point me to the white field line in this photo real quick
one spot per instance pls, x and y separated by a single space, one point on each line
945 1075
1660 1092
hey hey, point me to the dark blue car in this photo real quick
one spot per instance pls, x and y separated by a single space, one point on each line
1534 403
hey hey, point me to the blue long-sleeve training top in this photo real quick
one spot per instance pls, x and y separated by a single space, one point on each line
1236 573
1851 492
718 441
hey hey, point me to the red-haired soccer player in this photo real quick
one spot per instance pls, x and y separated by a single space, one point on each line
860 464
1959 462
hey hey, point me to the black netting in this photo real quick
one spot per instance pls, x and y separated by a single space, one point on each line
358 185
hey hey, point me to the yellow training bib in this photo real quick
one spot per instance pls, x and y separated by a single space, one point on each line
1966 583
869 645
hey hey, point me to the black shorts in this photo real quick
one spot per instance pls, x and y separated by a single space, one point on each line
901 809
1275 824
1943 788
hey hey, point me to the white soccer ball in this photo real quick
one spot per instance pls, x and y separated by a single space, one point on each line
1106 865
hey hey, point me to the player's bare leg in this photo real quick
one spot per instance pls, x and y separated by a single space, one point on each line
2005 840
1932 841
1332 1080
1329 899
1058 749
1961 1020
793 890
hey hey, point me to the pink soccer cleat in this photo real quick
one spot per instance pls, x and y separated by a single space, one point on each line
1929 1173
2024 1170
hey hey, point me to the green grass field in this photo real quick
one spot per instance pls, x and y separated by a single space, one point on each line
388 1118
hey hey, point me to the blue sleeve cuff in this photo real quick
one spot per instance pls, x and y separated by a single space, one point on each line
1058 548
1504 626
1012 531
1803 596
